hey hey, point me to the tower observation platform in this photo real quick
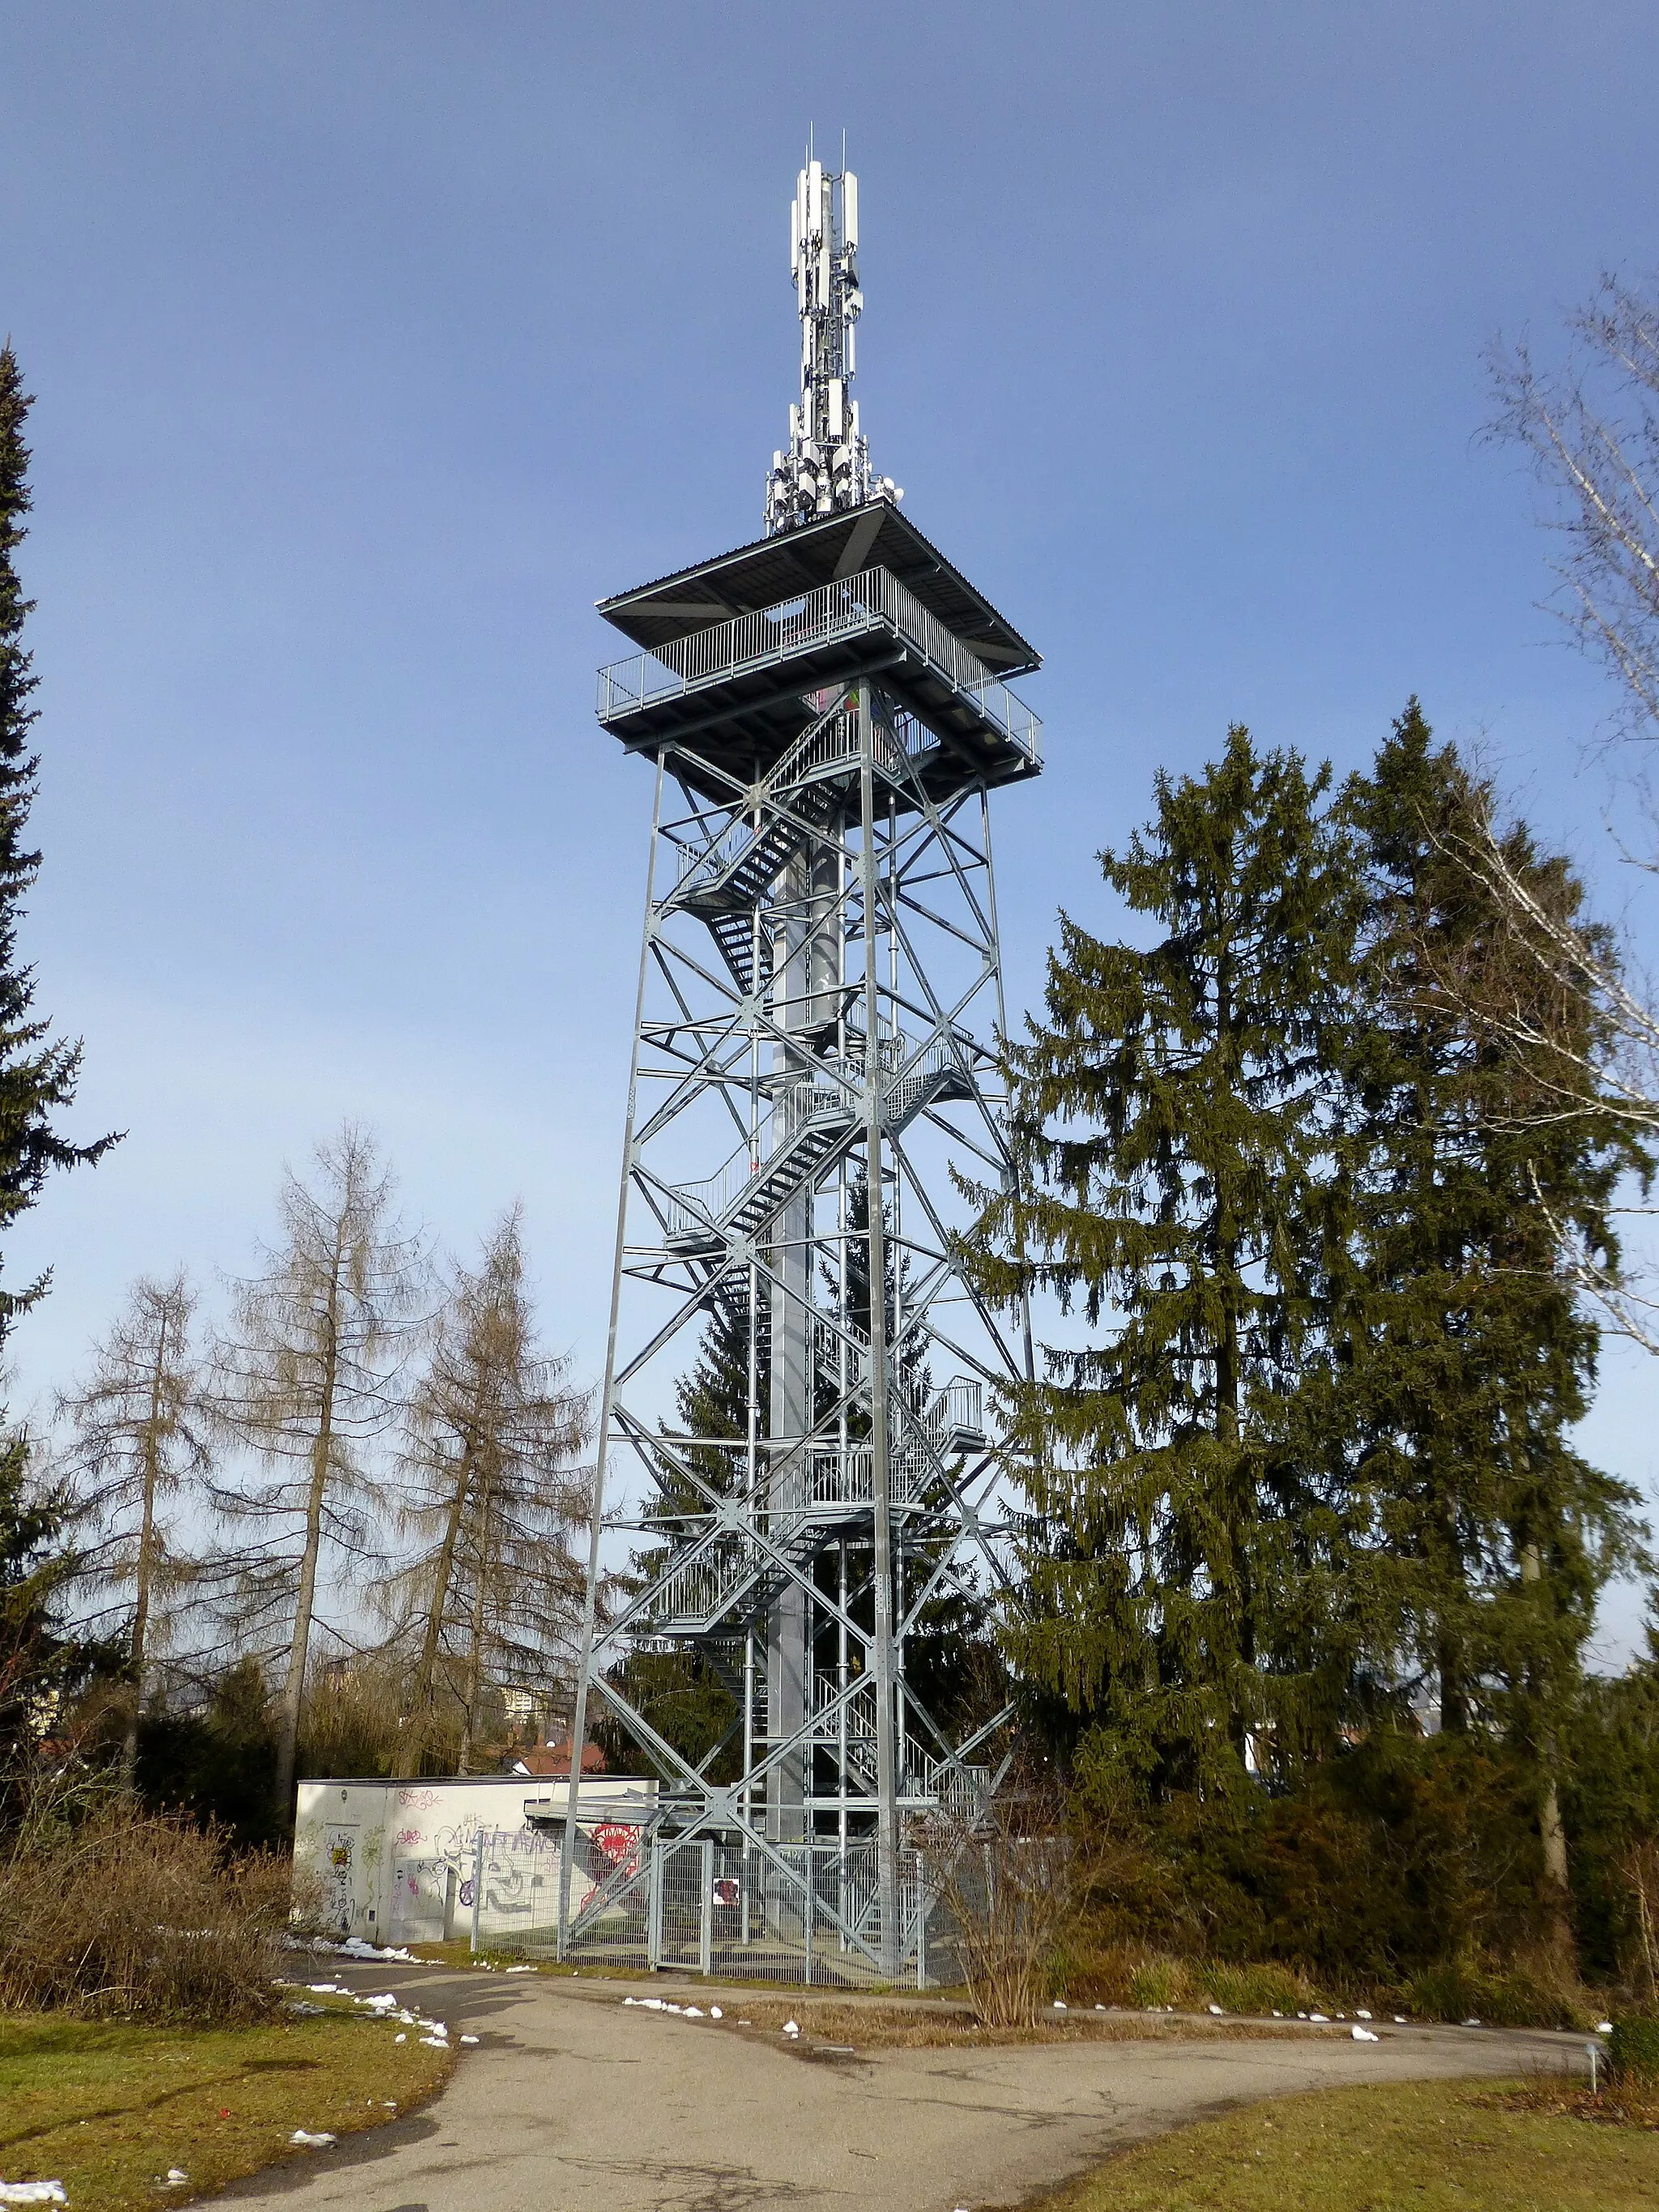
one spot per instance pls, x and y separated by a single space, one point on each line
800 1514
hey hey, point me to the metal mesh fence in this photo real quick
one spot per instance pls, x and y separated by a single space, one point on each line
795 1913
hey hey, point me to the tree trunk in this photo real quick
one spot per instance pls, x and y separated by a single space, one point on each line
481 1573
146 1559
288 1747
427 1666
1551 1835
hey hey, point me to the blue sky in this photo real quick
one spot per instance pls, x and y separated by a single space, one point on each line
373 342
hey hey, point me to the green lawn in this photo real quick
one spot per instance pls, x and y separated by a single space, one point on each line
1421 2147
108 2108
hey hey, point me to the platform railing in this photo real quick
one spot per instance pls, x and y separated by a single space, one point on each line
875 599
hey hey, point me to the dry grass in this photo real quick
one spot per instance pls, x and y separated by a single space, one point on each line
896 2026
107 2107
1618 2104
131 1915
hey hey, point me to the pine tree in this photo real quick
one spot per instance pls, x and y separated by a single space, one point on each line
1186 1593
1467 1356
41 1659
38 1074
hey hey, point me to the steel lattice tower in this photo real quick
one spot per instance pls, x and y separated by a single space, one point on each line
819 1002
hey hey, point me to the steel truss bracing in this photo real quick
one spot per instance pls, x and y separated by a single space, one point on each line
814 1077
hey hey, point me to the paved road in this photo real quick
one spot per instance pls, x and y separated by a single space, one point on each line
573 2100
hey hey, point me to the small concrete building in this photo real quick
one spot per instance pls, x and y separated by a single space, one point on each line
400 1860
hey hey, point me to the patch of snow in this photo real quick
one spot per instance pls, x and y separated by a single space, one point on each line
714 2012
1604 2027
400 2037
1399 2019
354 1947
1217 2010
1060 2004
518 1970
694 2012
1471 2023
469 2039
32 2193
435 2042
1316 2015
1360 2013
303 2140
792 2027
333 1989
379 2002
1279 2015
1364 2035
176 2178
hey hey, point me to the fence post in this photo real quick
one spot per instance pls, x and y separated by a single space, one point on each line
811 1913
478 1887
921 1923
706 1918
653 1908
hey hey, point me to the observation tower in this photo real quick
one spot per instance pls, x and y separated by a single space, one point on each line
797 1495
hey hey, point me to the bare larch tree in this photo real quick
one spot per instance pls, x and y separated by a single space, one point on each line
492 1596
136 1437
306 1380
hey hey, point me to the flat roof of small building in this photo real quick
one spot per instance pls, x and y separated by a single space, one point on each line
775 570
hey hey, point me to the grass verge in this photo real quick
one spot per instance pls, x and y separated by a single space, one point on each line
1415 2146
920 2027
107 2107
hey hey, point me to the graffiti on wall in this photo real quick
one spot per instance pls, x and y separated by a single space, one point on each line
339 1852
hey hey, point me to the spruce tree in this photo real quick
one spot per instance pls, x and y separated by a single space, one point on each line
1466 1357
37 1073
1170 1123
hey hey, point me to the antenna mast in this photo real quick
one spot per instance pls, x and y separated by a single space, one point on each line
826 467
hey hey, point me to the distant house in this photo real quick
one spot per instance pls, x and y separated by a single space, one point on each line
547 1761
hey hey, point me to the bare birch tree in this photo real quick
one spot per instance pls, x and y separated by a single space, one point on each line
306 1379
137 1436
1591 429
492 1597
1553 997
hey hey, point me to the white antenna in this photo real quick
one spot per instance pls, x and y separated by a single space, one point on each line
826 467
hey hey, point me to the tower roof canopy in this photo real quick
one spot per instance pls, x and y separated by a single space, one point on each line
765 574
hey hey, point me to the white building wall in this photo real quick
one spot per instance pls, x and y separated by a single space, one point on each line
397 1859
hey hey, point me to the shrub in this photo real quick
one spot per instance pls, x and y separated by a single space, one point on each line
1526 1994
135 1914
1160 1983
1258 1989
1633 2051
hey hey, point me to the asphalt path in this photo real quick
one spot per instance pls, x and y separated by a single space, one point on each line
573 2102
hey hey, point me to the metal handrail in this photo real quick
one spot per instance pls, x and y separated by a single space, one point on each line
874 599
